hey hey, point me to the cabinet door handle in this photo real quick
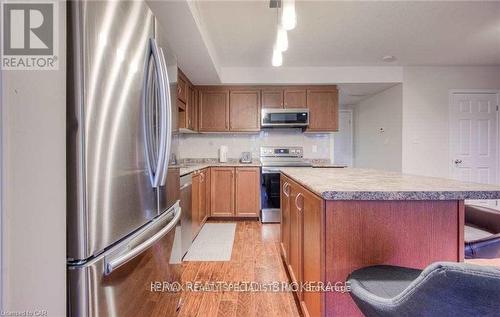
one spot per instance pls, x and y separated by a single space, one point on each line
296 202
285 191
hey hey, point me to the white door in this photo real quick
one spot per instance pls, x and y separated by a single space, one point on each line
473 138
342 145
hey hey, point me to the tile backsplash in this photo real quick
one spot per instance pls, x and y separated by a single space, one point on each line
316 145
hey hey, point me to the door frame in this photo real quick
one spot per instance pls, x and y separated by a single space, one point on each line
452 92
332 137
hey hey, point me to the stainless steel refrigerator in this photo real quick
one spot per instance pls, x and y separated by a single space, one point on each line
123 186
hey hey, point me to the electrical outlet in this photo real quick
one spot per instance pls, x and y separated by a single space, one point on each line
314 148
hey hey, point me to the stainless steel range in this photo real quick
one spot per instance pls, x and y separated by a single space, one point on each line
272 159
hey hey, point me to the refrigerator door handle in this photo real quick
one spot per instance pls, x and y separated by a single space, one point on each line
162 151
155 164
113 263
147 101
167 117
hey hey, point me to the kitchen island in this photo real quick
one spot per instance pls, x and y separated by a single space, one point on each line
335 221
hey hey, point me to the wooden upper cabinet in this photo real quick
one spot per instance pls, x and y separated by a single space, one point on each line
244 110
189 108
272 98
323 110
247 191
192 109
222 191
213 110
295 98
182 89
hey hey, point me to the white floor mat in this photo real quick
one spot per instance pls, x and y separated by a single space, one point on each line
213 243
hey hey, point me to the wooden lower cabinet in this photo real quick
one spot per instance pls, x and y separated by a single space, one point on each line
285 218
222 191
295 252
195 202
199 200
207 183
302 241
312 259
247 193
203 210
324 241
234 191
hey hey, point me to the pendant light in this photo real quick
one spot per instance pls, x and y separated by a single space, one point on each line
287 21
277 57
288 16
281 39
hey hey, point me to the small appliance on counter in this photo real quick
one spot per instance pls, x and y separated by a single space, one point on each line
223 154
246 157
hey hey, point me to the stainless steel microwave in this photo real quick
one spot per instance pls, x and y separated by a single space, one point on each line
296 117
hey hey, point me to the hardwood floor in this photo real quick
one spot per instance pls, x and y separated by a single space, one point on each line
255 258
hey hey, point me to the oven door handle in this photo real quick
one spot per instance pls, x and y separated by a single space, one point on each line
133 250
270 171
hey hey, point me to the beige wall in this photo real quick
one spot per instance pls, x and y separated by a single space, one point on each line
425 113
34 188
373 148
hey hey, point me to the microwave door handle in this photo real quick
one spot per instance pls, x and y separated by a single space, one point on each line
167 117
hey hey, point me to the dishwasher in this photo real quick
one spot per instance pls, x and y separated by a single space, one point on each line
186 221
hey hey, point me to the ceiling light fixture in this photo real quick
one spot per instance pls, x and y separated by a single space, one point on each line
277 57
288 16
281 39
389 58
287 21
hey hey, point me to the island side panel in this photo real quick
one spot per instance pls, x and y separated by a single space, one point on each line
461 230
405 233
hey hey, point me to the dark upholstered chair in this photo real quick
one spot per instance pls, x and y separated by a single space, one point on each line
482 232
442 289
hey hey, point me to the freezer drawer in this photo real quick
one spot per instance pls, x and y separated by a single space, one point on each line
118 283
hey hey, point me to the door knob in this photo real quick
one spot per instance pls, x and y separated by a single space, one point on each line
458 161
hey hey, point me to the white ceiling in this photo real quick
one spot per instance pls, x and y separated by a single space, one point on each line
352 94
353 33
180 28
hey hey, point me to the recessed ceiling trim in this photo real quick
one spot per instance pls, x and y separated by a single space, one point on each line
311 75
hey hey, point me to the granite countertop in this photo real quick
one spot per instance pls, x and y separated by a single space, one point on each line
188 166
193 166
328 165
366 184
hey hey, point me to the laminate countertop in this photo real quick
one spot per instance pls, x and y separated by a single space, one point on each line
367 184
